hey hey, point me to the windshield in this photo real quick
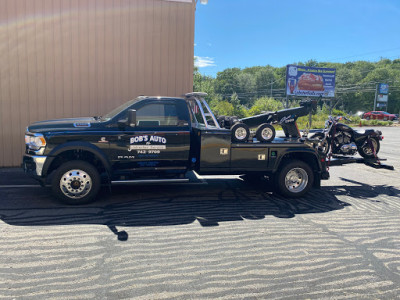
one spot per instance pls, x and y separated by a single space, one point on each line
120 109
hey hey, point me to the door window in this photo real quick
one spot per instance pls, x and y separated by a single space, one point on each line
157 114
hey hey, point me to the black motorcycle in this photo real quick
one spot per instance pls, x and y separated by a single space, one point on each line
341 139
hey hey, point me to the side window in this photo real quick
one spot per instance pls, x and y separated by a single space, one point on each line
157 114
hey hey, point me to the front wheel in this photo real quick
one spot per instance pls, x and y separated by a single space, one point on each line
76 182
366 150
295 179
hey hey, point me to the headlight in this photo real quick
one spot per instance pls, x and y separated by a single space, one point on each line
35 141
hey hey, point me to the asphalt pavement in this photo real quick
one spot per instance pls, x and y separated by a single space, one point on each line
217 237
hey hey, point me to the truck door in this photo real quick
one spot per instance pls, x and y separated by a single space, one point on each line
159 141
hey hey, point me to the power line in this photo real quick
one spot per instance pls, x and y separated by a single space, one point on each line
364 54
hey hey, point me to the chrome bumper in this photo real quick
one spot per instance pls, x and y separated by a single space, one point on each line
33 164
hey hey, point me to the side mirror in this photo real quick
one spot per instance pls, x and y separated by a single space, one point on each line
132 117
122 124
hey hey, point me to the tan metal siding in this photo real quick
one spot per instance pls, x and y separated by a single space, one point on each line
68 58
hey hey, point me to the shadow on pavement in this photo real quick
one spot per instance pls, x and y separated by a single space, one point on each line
365 191
217 201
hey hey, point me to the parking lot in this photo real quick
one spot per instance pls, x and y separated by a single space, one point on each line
218 237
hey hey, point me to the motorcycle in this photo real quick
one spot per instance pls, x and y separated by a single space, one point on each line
339 138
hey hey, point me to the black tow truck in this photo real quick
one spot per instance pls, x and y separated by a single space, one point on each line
160 139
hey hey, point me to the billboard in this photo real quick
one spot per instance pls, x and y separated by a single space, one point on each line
383 98
383 88
310 81
380 104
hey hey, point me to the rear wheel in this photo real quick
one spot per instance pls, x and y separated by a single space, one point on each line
295 179
76 182
240 132
265 133
366 150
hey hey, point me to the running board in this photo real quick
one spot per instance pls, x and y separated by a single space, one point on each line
149 181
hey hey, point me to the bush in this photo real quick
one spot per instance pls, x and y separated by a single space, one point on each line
223 108
265 104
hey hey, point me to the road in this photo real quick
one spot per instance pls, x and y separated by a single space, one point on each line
216 238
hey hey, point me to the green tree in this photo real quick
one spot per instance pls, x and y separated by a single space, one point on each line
265 80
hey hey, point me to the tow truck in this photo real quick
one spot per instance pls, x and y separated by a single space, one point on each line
161 139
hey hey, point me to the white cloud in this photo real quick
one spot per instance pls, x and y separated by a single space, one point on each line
203 62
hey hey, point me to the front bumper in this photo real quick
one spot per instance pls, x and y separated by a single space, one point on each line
33 165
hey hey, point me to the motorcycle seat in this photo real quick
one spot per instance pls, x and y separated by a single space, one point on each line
363 132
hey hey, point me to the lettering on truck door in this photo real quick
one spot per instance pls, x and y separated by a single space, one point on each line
160 140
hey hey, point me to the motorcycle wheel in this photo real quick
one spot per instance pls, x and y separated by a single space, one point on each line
365 149
324 145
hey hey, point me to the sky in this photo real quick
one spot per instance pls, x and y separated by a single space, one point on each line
246 33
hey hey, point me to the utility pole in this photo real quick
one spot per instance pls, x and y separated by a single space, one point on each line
271 89
376 95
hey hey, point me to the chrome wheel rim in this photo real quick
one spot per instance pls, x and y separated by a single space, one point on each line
75 184
267 133
367 148
240 133
296 180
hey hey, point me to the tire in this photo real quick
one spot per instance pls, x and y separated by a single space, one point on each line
294 179
265 133
240 133
324 145
367 118
76 182
366 151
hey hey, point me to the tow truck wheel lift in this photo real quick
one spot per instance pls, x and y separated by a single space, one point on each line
345 160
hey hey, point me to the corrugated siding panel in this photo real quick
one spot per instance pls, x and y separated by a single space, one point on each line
67 58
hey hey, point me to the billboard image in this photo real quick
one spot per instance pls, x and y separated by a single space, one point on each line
310 81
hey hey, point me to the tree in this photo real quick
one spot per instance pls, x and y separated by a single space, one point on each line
226 82
264 78
246 85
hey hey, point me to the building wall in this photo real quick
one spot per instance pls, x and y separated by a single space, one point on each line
70 58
